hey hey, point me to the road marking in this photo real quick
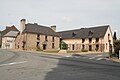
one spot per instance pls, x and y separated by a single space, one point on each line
68 56
99 59
92 58
8 64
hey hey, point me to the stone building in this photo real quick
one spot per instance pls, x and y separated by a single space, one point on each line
90 39
8 37
34 36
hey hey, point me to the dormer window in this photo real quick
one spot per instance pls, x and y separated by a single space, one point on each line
74 34
90 33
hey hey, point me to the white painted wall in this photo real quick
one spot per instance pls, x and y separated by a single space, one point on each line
8 43
105 41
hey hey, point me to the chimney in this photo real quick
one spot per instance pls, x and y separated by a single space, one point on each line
7 27
22 25
53 28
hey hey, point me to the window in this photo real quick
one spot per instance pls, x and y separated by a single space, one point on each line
108 37
23 45
106 46
97 40
9 41
97 47
37 45
53 46
53 39
73 47
90 47
90 40
38 36
83 40
83 47
46 38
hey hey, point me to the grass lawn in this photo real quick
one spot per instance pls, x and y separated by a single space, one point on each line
73 51
52 51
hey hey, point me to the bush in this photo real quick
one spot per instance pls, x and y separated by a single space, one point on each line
39 50
64 46
116 50
96 49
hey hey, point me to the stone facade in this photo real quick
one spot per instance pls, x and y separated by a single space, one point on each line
34 37
30 41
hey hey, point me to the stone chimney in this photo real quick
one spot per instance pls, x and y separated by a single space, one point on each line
53 28
22 25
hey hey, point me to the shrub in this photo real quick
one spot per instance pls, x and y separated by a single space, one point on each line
64 46
116 43
116 47
96 49
116 50
39 50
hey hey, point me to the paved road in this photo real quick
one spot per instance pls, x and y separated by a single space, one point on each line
36 66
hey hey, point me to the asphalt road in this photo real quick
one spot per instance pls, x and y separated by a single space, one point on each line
16 65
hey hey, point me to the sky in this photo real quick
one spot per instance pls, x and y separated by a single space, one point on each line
65 14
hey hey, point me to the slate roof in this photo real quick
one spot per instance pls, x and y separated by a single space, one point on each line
11 34
39 29
12 28
93 32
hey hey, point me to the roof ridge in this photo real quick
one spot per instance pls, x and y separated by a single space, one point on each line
85 28
99 26
39 29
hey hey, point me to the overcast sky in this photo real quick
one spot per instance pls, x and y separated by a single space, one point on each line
65 14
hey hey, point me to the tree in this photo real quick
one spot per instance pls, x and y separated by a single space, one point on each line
116 44
64 45
114 36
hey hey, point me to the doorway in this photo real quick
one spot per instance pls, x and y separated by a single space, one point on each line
44 46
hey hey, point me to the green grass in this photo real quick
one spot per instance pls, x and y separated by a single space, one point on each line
73 51
39 50
52 51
